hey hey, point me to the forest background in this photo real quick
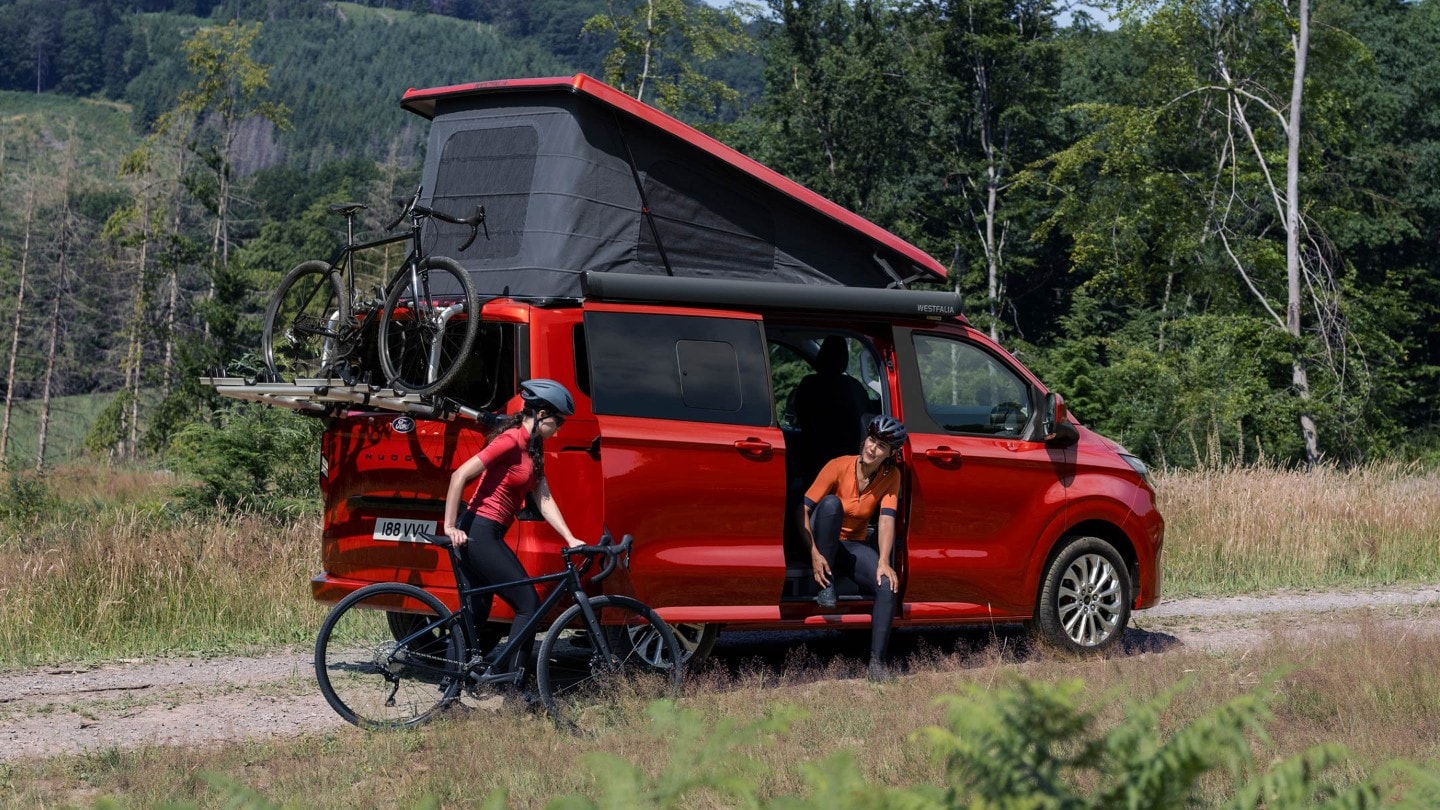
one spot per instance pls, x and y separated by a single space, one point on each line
1214 227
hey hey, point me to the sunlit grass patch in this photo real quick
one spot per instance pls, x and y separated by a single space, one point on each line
1256 529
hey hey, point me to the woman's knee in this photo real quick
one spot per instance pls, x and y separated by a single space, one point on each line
826 518
830 507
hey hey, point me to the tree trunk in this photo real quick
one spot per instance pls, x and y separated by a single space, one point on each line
135 351
47 395
1300 377
15 325
649 38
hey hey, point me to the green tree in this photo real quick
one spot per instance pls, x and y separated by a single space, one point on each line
992 68
662 46
840 114
1186 184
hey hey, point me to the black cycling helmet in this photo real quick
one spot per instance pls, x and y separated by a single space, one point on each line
887 429
547 395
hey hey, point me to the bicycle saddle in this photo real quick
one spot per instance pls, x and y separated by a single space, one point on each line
347 208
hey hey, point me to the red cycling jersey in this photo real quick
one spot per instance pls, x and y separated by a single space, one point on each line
508 477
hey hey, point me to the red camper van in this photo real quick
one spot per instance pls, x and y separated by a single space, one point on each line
681 290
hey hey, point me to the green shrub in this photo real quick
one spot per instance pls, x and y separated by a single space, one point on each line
254 457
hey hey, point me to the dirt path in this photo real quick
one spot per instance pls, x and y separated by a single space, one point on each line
50 711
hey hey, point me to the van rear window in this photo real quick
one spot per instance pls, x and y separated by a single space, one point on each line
678 367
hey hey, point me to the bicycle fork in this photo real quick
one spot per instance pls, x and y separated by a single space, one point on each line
426 314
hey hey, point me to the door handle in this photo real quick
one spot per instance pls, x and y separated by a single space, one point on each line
753 446
943 455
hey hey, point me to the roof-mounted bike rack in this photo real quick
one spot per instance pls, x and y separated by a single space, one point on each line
324 396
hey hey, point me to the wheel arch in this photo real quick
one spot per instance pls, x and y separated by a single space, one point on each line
1099 528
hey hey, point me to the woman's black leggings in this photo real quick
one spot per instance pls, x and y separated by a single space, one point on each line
860 563
486 560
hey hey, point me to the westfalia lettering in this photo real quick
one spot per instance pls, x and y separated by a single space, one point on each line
939 309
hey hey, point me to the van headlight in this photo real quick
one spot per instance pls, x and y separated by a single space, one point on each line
1139 467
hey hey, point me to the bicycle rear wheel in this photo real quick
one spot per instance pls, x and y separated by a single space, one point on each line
428 327
378 671
306 322
583 687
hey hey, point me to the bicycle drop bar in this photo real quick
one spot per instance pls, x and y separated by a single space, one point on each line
606 547
413 206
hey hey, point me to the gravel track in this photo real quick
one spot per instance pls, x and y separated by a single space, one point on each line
195 701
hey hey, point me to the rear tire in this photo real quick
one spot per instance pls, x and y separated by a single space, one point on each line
428 327
582 688
1085 597
373 681
307 323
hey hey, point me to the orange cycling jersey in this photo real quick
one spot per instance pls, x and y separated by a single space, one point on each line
838 479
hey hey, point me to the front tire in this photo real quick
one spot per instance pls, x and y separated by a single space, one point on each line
1085 597
428 327
582 687
373 680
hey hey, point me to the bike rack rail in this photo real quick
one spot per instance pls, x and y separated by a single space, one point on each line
321 396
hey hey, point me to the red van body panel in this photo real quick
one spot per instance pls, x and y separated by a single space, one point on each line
980 519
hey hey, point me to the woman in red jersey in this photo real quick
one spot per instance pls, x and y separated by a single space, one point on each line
510 467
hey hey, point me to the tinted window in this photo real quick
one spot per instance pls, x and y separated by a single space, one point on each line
968 390
678 367
489 376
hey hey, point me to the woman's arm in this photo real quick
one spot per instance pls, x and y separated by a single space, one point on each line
458 479
551 512
819 567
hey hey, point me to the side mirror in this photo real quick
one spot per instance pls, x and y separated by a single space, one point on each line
1053 423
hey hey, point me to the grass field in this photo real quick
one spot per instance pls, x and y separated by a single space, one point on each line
107 568
101 563
1376 693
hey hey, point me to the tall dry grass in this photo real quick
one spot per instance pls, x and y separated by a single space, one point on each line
1232 530
110 570
107 567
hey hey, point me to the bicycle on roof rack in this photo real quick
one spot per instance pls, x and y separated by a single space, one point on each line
426 316
392 655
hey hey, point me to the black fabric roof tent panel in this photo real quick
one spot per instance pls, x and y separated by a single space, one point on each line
553 168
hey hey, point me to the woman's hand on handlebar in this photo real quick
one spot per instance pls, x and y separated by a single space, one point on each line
457 536
574 542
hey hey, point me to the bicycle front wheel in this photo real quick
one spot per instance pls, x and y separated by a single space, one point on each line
389 656
428 327
306 323
586 682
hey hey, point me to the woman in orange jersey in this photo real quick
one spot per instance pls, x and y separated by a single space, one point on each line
838 508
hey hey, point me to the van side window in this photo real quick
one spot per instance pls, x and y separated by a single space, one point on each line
968 390
678 367
489 376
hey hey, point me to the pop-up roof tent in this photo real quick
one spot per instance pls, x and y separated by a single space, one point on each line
567 167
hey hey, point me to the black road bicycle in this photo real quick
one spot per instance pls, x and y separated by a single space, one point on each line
391 655
426 316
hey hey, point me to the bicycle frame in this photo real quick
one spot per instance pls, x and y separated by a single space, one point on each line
343 262
571 587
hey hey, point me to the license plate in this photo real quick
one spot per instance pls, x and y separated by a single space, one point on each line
402 529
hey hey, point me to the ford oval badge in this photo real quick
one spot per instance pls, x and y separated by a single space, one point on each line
402 424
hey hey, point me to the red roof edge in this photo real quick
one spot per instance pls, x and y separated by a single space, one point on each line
422 102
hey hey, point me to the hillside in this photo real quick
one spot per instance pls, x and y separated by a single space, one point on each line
341 76
31 123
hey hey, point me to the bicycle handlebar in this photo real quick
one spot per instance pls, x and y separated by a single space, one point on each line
412 207
607 547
